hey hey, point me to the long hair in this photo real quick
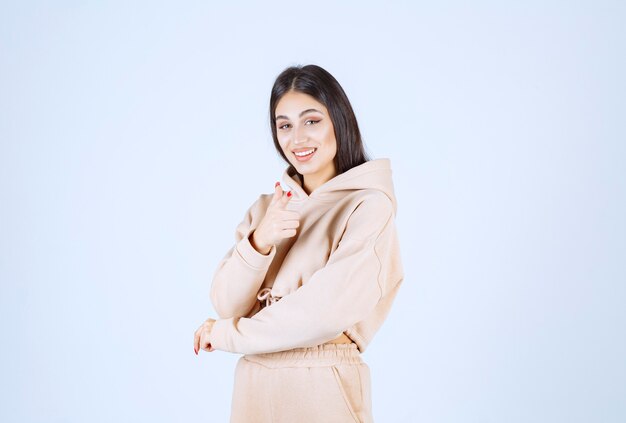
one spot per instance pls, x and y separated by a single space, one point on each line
321 85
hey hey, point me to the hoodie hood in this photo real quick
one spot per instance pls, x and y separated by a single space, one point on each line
373 174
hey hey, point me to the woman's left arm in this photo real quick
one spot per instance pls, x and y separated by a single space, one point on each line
336 296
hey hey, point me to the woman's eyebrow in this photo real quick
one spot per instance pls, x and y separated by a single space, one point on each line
301 113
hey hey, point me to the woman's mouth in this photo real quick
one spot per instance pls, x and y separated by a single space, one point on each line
304 155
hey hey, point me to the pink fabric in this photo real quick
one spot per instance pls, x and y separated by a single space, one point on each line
328 383
339 274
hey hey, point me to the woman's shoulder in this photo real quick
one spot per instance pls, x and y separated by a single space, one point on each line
373 199
264 200
260 204
371 214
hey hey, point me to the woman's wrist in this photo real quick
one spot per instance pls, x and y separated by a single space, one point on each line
259 247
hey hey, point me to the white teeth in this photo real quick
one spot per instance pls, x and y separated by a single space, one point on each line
304 153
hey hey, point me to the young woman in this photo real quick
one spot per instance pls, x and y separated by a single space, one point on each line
314 270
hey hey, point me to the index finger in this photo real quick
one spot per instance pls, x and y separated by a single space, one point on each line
278 191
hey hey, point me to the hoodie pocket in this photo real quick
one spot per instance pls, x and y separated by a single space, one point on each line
349 384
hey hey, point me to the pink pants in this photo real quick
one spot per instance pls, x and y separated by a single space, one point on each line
329 383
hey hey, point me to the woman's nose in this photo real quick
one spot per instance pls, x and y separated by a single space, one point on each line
299 136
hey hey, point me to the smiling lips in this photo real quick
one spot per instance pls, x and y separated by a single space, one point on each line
304 154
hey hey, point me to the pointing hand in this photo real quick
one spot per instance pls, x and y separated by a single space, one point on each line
277 224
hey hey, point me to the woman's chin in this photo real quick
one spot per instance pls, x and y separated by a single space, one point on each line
304 169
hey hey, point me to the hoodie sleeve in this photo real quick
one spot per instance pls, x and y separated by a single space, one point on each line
335 297
241 271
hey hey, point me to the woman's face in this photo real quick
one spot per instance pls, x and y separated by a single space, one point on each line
304 125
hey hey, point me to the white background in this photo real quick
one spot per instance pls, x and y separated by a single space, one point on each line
134 137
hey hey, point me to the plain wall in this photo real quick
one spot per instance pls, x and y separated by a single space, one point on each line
134 137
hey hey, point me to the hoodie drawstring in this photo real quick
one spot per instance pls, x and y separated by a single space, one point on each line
266 295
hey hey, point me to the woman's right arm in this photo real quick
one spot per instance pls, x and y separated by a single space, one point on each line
241 271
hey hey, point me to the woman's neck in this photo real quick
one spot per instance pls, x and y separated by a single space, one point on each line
313 181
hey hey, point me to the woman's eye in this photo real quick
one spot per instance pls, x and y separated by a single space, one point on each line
307 121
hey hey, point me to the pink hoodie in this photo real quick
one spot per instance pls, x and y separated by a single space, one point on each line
340 273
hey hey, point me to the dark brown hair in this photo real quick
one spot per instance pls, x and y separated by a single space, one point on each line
321 85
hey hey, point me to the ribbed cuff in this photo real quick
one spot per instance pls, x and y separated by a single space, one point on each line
252 257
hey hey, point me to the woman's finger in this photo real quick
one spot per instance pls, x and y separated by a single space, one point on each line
285 199
278 192
196 341
204 343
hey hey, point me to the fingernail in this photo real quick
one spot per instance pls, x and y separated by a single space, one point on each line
289 194
276 184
